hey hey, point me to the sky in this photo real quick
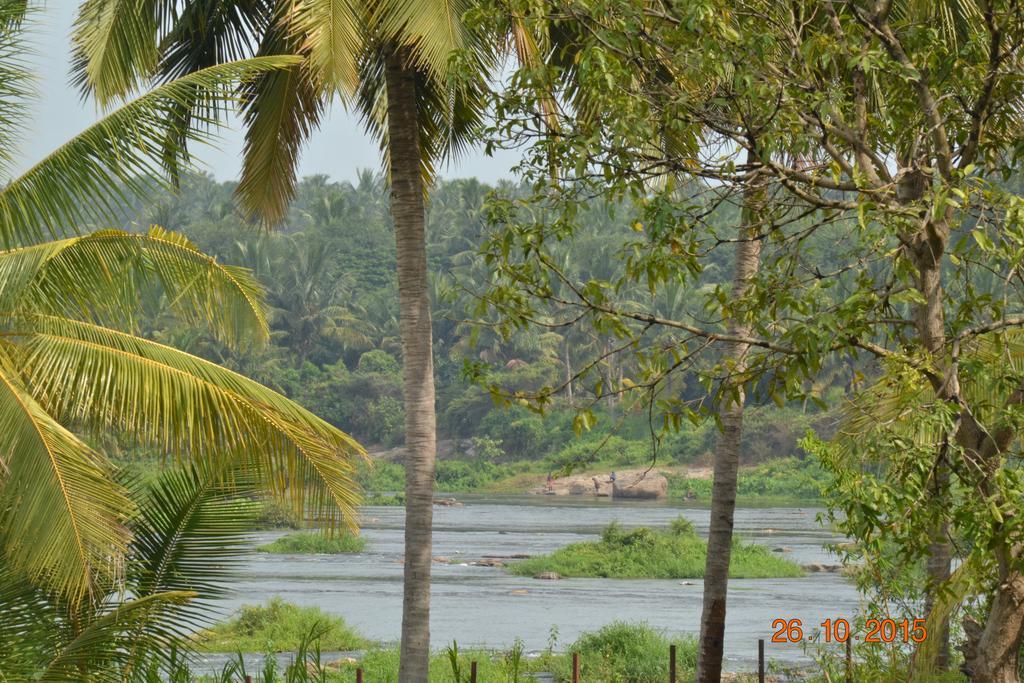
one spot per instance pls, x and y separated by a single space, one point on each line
338 149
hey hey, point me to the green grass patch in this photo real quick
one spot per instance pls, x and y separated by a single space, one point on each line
278 626
314 543
643 553
380 665
624 651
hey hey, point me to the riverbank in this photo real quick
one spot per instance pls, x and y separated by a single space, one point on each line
783 482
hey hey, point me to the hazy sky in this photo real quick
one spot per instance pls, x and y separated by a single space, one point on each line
338 149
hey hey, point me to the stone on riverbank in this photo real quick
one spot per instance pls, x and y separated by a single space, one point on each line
645 486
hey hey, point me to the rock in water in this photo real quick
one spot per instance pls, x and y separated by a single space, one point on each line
645 486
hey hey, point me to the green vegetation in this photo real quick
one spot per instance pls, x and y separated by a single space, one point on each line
381 664
676 553
779 481
623 651
278 626
315 543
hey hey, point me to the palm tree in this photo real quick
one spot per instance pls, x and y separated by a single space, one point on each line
417 75
187 537
71 367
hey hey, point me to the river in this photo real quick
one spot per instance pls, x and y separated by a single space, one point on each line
487 607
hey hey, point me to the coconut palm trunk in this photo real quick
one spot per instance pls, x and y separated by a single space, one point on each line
407 208
727 455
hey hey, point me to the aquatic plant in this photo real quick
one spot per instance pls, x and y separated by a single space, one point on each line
315 543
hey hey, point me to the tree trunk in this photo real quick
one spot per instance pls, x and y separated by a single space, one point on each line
727 458
990 654
927 251
407 208
568 374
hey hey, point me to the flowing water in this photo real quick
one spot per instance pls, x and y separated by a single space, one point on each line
487 607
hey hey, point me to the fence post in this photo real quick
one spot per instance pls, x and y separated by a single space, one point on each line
849 660
472 672
575 667
359 675
760 660
671 664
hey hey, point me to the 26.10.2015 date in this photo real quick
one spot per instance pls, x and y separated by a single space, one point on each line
839 631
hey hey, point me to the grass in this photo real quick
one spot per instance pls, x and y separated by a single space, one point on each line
380 665
314 543
276 627
643 553
623 651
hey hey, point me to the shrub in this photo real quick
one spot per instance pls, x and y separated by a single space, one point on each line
385 421
633 653
381 476
378 361
274 514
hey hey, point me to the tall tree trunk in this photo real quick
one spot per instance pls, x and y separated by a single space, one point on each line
727 455
407 208
929 319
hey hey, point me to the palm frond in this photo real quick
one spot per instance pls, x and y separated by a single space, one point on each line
102 275
16 81
114 47
62 518
282 109
208 32
106 379
114 640
333 31
190 531
434 28
120 157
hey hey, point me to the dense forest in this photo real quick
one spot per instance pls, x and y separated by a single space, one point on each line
329 273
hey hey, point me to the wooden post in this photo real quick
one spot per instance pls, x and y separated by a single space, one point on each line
849 660
472 672
760 660
671 664
575 667
359 675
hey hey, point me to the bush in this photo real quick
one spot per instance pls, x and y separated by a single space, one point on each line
379 475
378 361
274 514
385 421
278 626
633 653
313 543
